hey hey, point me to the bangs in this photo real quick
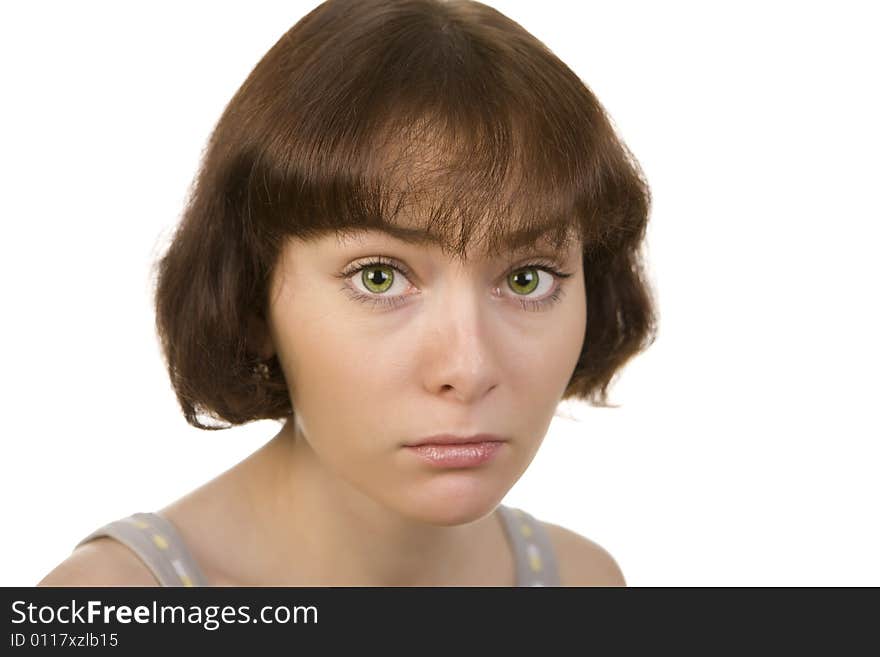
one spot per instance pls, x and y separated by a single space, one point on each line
435 129
460 192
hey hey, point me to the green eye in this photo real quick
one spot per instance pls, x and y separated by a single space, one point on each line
378 278
523 281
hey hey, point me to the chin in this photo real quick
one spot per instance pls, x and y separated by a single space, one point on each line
455 505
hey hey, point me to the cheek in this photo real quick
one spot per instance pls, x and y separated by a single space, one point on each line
546 357
572 339
334 363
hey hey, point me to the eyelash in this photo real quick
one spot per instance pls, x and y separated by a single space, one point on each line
395 301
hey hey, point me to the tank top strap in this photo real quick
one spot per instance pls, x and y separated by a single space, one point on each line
158 544
536 563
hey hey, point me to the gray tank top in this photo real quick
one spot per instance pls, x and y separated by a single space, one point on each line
157 543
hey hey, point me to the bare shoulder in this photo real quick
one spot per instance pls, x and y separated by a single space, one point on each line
100 562
582 562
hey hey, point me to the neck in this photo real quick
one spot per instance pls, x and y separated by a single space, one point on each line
323 531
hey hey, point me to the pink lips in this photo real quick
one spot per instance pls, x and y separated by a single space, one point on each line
457 452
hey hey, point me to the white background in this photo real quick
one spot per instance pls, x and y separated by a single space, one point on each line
744 450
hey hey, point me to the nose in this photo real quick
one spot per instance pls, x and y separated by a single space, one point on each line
460 359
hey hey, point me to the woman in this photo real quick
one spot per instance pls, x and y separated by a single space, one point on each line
413 233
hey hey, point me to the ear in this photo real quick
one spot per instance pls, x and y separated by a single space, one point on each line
259 338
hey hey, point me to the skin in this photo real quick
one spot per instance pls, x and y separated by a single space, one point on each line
334 499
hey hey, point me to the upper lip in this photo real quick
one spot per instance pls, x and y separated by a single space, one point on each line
451 439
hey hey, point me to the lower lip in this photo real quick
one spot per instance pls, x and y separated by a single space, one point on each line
463 455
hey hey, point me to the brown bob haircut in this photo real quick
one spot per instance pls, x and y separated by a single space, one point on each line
447 118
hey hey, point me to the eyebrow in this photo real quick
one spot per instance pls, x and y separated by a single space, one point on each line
404 234
419 236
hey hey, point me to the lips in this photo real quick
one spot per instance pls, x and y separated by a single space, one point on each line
457 455
451 439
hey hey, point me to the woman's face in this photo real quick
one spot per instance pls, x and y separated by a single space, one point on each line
421 344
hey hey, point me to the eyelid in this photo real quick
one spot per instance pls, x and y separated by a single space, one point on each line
361 263
538 262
